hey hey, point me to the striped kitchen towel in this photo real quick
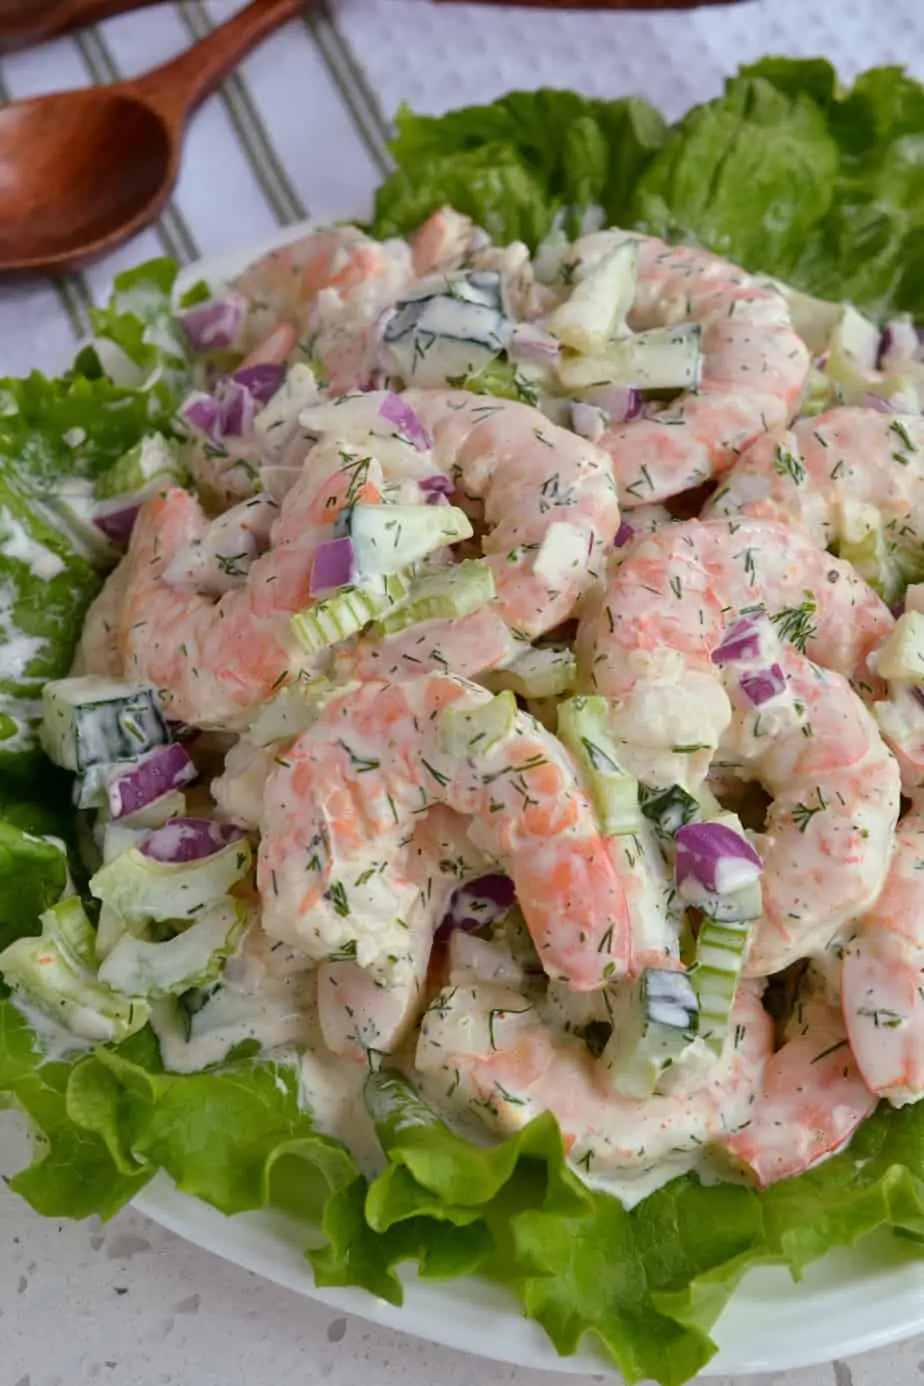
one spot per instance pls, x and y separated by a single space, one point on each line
301 129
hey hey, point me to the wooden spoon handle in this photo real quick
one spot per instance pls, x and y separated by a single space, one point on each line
24 22
177 88
600 4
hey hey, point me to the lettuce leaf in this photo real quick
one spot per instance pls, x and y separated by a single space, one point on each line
783 173
33 874
516 164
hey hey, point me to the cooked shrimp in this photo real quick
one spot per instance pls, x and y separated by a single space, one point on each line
883 976
827 843
843 474
214 660
339 809
356 1012
811 1100
550 512
281 287
442 242
98 650
484 1044
647 637
754 367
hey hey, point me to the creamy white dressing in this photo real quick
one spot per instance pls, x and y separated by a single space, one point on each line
17 652
54 1041
17 543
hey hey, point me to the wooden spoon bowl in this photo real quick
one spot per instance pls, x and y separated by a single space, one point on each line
101 166
81 171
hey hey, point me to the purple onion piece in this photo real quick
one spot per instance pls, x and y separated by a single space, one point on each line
917 693
117 523
532 346
166 768
213 326
740 641
236 409
477 903
764 684
714 858
200 411
262 381
334 565
881 406
898 608
188 839
624 533
621 402
397 412
899 343
441 485
588 420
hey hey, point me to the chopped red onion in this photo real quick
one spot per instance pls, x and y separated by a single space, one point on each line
621 402
396 411
873 401
763 685
442 484
167 767
262 380
588 421
477 903
898 608
213 326
624 533
917 693
530 345
740 641
188 839
200 411
712 858
117 520
900 342
237 408
334 565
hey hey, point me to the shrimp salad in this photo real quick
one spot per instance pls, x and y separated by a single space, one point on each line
507 699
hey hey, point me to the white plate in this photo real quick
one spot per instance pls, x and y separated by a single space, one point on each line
848 1303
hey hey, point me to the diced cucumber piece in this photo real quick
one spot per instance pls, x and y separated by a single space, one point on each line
140 888
453 328
192 958
901 656
599 302
346 612
542 671
720 953
655 1020
668 809
90 721
444 595
387 538
153 457
665 358
583 726
56 973
473 732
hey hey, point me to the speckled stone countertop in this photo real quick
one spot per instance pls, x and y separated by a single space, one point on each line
132 1305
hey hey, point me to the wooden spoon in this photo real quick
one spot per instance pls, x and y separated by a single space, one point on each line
81 171
33 21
